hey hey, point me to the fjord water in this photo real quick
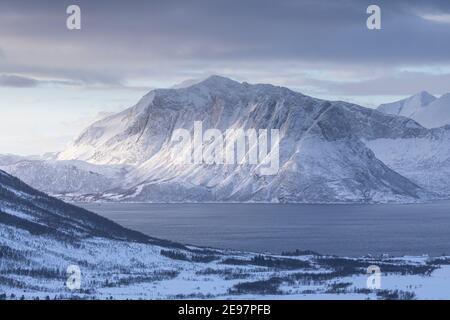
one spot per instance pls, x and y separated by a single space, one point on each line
345 230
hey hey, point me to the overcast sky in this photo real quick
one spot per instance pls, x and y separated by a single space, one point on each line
54 81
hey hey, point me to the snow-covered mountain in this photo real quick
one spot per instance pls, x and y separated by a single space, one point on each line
322 154
329 151
46 245
426 109
62 178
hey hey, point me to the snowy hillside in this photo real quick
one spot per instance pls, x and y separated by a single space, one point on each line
429 111
40 237
63 178
322 156
424 159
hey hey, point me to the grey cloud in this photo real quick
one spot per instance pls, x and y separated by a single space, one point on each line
404 83
252 29
15 81
120 40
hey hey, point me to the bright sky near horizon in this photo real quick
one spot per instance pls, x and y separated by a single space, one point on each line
55 81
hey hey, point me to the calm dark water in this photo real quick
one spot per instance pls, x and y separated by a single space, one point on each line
350 230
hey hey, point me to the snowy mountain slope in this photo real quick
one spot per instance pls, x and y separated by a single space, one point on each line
322 158
424 159
25 208
41 237
61 178
429 111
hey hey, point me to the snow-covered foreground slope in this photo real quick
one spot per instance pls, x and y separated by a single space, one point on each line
429 111
40 237
323 157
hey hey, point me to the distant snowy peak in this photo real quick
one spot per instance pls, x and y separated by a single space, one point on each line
426 109
409 106
438 113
